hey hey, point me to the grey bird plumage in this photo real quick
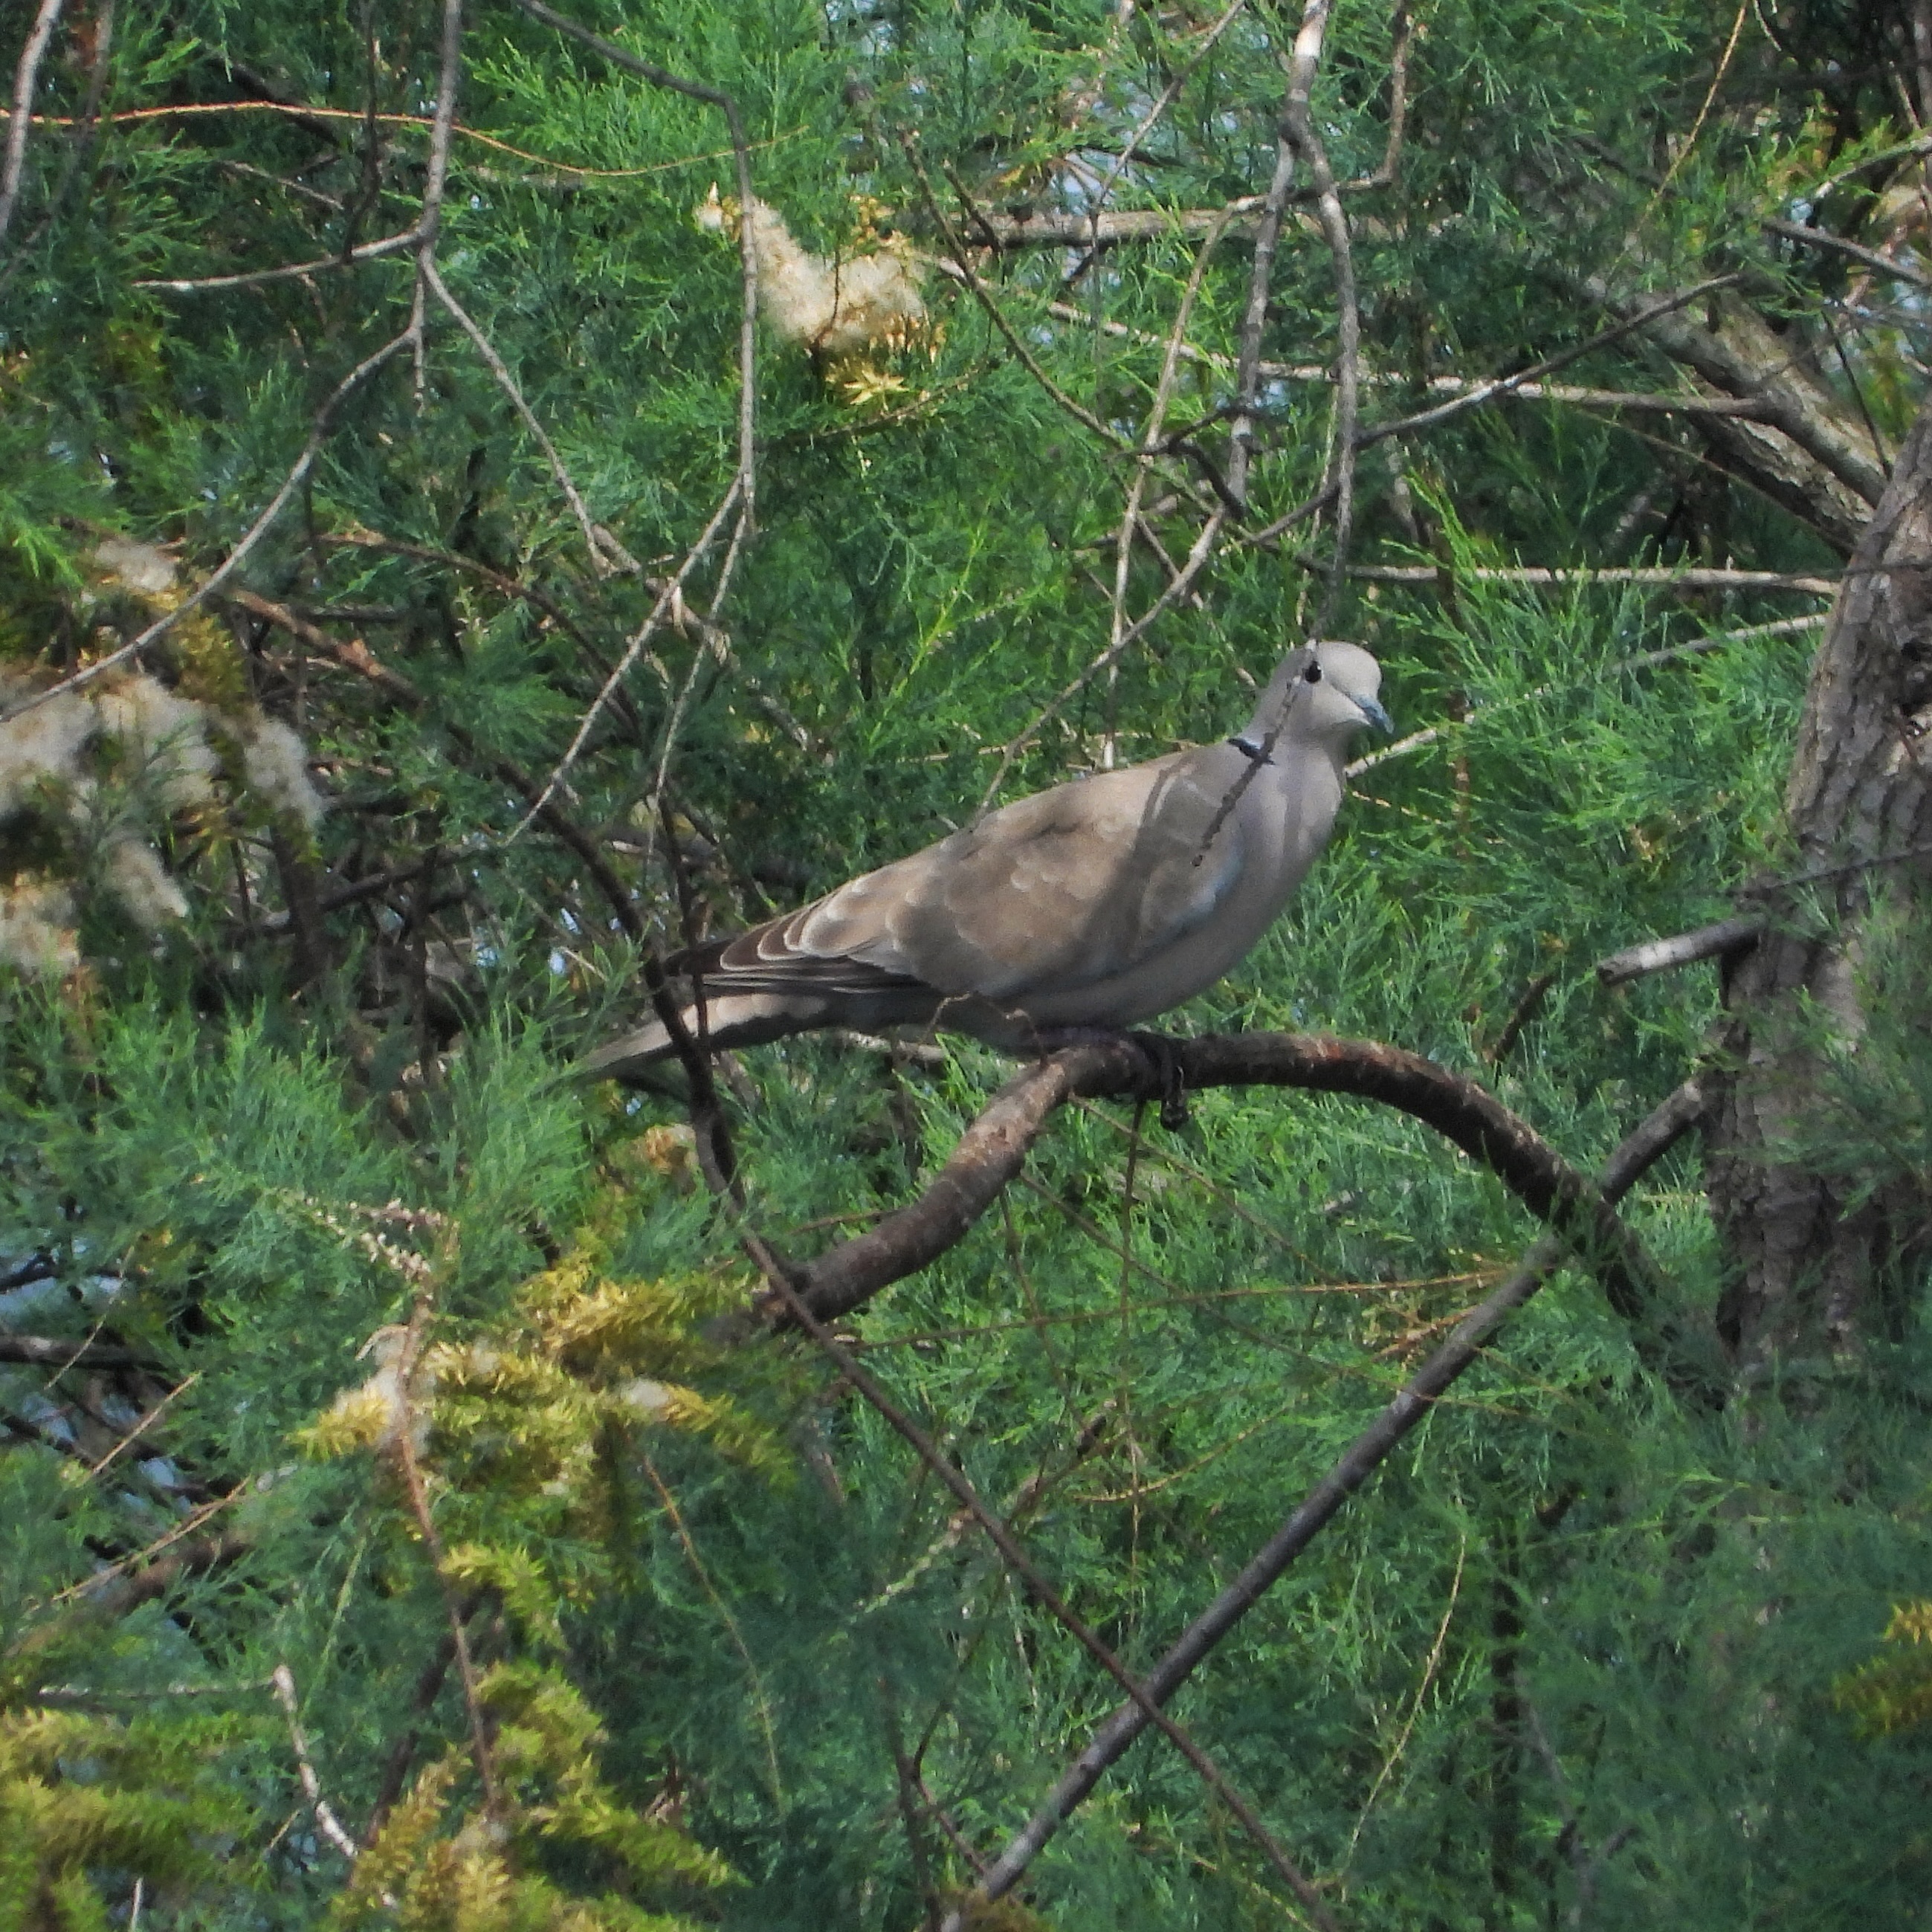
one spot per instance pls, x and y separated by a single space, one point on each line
1100 903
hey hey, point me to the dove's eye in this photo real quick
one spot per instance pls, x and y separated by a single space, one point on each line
1312 674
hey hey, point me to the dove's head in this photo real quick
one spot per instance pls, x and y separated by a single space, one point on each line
1336 696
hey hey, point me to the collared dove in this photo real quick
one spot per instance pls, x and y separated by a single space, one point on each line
1098 904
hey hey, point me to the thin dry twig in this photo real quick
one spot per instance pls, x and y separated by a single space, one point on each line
256 278
283 1682
25 76
958 254
1339 484
1131 520
1401 32
1162 103
145 1423
1489 392
761 1703
429 224
1428 1677
668 597
742 495
1177 588
1662 404
1417 741
256 531
1663 575
1299 126
607 554
80 148
1870 258
417 1492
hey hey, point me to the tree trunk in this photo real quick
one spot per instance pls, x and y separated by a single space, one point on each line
1807 1257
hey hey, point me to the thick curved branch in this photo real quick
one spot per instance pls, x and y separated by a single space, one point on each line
993 1150
1743 358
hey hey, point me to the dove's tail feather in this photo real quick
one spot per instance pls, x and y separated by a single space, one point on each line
731 1020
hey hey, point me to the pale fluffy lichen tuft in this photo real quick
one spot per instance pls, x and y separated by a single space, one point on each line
836 307
277 763
37 931
46 772
167 732
148 893
41 748
140 566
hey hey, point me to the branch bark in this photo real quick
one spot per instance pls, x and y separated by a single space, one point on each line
994 1149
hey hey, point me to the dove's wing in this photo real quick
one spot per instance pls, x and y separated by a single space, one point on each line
1060 890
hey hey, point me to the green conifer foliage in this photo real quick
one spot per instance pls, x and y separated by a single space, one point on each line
409 1515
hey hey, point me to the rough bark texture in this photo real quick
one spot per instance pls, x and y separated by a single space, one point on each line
1805 453
1806 1263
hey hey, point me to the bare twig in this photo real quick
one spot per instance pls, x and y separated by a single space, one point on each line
1686 948
1870 258
1339 484
428 1688
741 149
25 75
1626 1166
761 1703
1131 518
1402 32
742 495
1247 368
1663 575
1527 1008
667 598
145 1422
1162 103
417 1492
607 554
1641 400
1299 127
1177 588
1428 1677
256 531
1489 392
1417 741
326 1821
304 111
80 148
429 225
1080 414
255 278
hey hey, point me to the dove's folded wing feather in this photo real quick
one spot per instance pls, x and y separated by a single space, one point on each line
1065 889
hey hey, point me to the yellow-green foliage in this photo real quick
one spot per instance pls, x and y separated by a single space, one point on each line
1894 1691
519 1434
588 1358
438 1865
82 1792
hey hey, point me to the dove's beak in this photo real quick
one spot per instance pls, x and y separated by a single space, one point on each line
1376 715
